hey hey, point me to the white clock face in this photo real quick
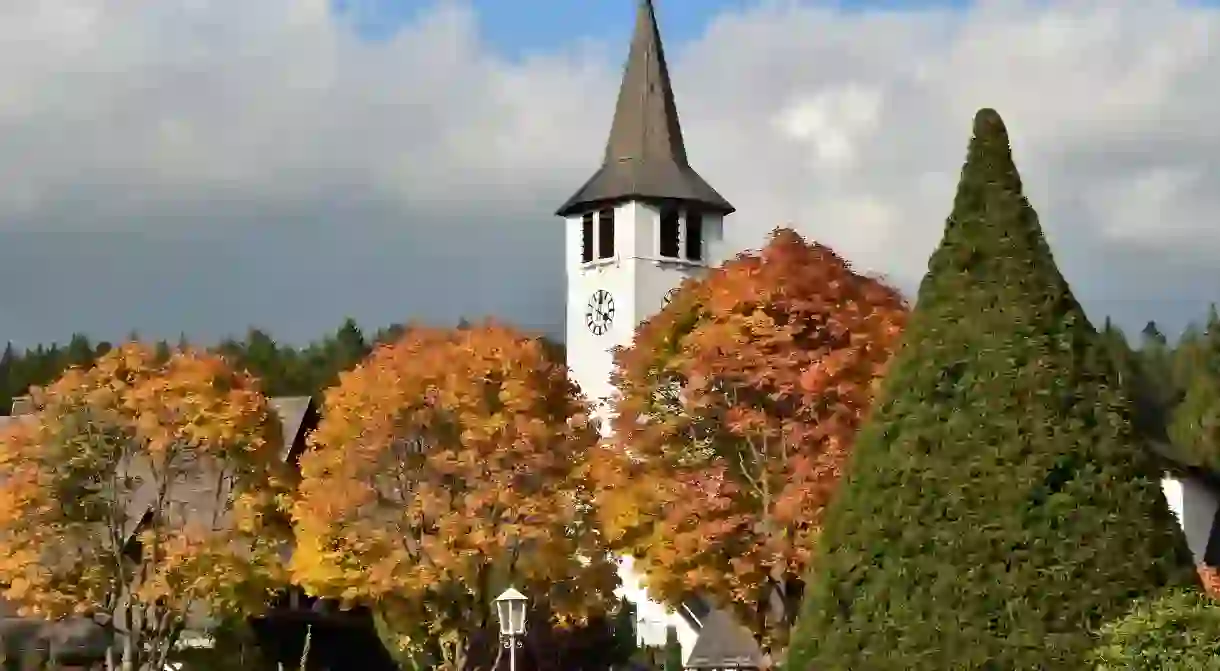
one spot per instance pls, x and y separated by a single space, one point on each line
599 313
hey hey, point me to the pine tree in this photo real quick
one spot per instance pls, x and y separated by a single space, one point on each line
8 364
999 505
350 347
673 650
623 627
1156 372
1194 425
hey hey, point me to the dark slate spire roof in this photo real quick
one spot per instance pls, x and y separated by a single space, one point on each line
645 156
724 644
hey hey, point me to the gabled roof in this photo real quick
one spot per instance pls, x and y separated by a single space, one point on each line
645 155
724 644
297 414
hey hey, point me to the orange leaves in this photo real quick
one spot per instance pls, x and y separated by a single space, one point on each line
188 442
739 404
445 458
1211 580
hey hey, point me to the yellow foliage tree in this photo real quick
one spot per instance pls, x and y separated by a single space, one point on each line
143 492
448 465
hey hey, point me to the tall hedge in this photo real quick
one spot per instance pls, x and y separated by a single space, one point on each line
998 507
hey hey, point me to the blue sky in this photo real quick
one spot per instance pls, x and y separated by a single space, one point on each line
519 27
262 171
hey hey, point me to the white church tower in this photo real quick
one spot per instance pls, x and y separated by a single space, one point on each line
641 225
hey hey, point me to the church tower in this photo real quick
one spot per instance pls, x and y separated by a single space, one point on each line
641 225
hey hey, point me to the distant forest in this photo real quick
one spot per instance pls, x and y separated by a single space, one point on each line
1175 386
284 370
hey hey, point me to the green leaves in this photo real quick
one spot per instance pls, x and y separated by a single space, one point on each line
1179 631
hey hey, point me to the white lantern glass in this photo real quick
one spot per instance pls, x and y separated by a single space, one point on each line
510 610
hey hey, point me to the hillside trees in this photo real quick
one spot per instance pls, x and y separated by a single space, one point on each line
143 493
999 505
448 465
1194 426
739 403
282 368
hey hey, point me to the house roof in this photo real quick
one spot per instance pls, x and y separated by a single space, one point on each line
645 155
724 644
294 411
196 496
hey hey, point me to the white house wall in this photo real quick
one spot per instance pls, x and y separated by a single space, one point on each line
652 619
1195 506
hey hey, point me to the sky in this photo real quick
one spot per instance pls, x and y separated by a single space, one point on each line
203 166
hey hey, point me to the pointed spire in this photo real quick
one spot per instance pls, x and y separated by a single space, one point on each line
645 156
646 119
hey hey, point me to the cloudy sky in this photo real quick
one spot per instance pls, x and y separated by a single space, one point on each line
200 166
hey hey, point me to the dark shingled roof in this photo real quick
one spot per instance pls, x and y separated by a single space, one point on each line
645 156
724 644
297 414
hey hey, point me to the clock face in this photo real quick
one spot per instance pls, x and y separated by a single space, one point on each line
669 296
599 313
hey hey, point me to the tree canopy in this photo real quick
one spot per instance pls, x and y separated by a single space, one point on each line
144 490
446 466
738 404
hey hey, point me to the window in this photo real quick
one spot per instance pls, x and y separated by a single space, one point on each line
605 234
670 232
694 236
586 238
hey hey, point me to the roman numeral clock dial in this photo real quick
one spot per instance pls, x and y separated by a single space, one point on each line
599 313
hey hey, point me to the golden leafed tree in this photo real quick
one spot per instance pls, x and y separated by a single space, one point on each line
447 466
143 493
738 403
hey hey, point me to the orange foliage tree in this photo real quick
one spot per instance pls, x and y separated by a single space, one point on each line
737 406
447 466
142 491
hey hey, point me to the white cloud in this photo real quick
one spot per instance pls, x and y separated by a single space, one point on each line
356 177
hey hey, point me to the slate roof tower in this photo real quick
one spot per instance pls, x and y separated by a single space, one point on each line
644 222
645 155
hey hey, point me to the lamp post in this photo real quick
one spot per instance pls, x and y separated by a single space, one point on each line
510 610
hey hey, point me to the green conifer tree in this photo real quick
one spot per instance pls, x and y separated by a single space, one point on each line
999 505
673 650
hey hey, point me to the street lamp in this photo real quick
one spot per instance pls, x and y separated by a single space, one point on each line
510 609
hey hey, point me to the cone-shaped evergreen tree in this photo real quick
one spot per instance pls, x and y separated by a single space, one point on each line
998 506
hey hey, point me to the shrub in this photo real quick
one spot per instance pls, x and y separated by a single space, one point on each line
1176 632
998 505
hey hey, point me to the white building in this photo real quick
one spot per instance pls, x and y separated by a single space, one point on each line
643 223
1193 495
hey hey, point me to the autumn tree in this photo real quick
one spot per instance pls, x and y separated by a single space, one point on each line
143 494
738 404
447 466
1000 505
